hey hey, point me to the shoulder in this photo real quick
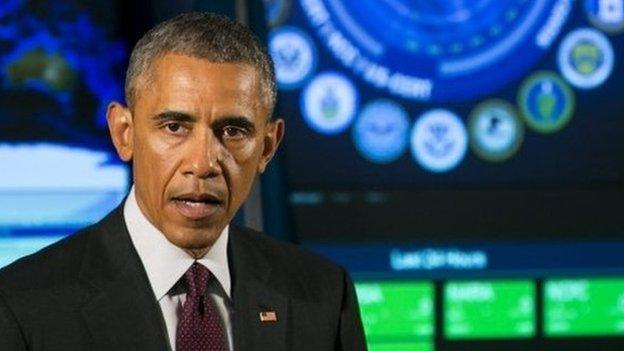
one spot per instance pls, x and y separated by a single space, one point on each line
292 266
61 262
287 256
43 283
321 298
52 265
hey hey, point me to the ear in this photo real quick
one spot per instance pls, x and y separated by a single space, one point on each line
272 139
120 127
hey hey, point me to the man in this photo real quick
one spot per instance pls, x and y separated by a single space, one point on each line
166 270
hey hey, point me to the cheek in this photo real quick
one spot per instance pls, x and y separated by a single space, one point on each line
155 163
245 153
242 165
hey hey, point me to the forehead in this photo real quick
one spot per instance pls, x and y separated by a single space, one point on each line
194 83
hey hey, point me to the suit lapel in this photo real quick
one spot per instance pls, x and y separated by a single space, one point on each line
253 294
122 312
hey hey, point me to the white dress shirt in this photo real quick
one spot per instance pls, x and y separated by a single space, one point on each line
166 263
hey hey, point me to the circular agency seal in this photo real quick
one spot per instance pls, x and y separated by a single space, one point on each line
294 56
585 58
546 102
329 103
439 140
381 132
438 51
606 15
496 132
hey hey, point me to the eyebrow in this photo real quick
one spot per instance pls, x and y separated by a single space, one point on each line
236 121
173 116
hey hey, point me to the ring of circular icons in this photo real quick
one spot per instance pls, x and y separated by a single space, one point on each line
294 55
329 103
381 132
546 102
496 132
439 140
606 15
585 58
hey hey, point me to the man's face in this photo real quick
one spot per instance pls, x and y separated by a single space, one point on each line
197 135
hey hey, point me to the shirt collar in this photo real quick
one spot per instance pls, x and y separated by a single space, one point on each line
166 263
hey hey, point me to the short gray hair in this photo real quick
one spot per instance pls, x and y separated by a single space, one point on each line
209 36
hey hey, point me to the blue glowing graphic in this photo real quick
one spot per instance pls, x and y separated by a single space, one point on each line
9 7
585 58
606 15
546 102
439 140
381 132
329 103
58 71
437 50
65 58
496 132
464 55
50 185
12 248
294 56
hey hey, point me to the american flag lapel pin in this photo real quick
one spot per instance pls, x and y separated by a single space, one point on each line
268 316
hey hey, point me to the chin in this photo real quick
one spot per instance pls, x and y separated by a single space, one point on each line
194 239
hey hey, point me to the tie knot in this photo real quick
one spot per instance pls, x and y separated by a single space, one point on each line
196 278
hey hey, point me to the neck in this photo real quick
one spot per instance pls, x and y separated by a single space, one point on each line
197 253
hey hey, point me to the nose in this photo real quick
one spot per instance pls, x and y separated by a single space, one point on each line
202 158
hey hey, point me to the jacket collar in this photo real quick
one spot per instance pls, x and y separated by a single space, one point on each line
255 291
123 312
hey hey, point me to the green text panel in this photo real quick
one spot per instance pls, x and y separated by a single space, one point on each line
584 307
489 309
396 312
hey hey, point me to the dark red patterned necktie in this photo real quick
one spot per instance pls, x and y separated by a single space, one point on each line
200 328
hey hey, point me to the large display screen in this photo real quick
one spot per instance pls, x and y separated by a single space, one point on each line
60 65
505 109
474 145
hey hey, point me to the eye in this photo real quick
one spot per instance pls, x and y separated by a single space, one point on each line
174 127
231 132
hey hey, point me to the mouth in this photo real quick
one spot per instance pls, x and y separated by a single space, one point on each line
197 206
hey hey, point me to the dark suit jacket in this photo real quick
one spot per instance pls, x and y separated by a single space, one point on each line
90 292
